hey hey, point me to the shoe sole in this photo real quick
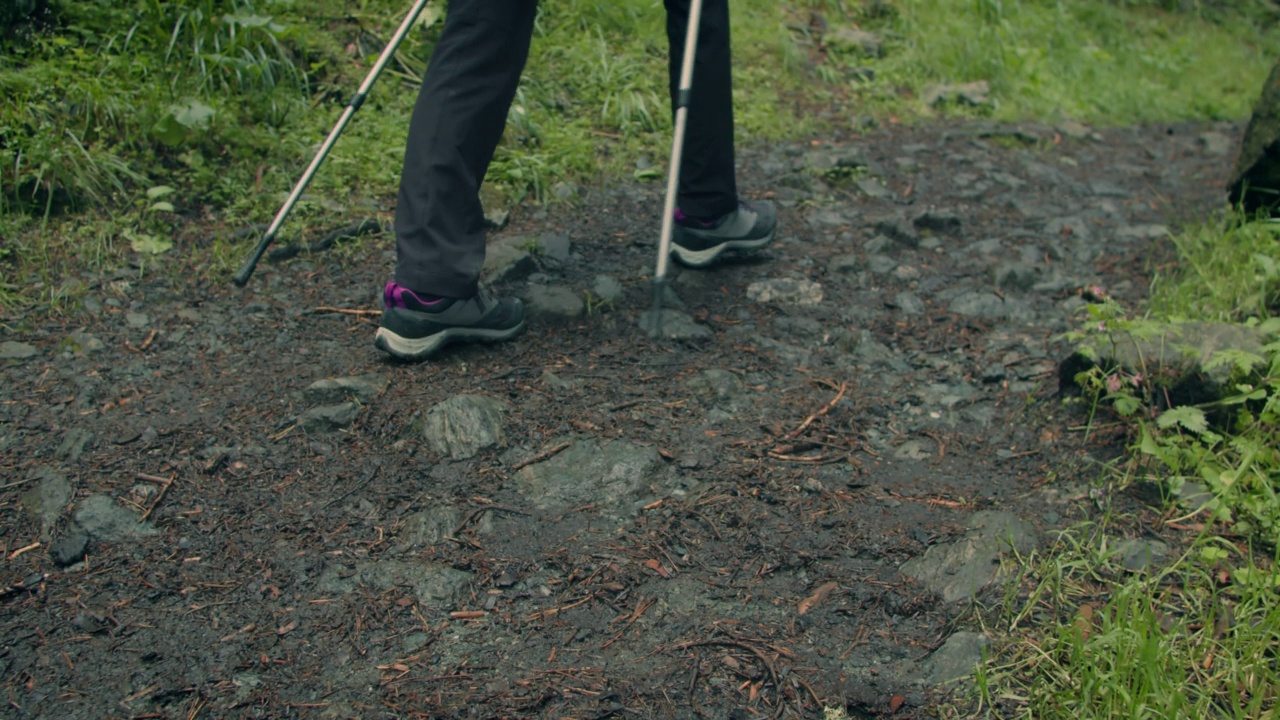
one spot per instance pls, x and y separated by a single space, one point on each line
702 258
420 348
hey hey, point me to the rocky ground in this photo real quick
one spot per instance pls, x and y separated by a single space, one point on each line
225 503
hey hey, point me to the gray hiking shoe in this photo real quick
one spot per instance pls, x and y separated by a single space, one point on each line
750 227
414 328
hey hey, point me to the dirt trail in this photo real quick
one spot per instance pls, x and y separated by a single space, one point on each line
790 505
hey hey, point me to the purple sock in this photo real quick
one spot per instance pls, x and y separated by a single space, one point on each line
682 218
396 295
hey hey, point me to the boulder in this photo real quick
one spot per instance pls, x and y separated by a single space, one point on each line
1179 357
1256 179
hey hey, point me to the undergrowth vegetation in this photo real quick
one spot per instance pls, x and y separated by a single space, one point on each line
1195 633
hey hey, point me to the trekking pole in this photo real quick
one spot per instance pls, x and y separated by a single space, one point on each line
677 150
242 277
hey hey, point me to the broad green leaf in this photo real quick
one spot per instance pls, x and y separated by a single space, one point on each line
150 244
1127 405
161 206
183 120
1213 554
1268 265
193 115
159 191
429 17
1191 418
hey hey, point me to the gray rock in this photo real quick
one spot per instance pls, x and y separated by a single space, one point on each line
874 189
993 373
430 527
715 386
846 264
830 218
673 325
13 350
913 450
1142 233
1180 356
881 264
557 383
1256 175
1014 276
82 344
71 547
496 218
507 259
990 306
1138 554
1107 188
943 221
960 570
555 246
956 659
1216 143
364 388
137 319
798 325
607 288
463 425
590 471
74 444
102 518
432 584
868 351
328 418
909 303
564 190
898 230
46 501
878 245
1069 227
906 273
555 301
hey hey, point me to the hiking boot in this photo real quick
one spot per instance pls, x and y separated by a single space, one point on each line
414 328
698 243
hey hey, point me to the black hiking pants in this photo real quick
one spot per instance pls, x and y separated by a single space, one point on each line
461 111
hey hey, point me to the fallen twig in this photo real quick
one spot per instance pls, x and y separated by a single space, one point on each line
820 459
346 311
22 550
539 457
543 614
159 496
826 409
764 659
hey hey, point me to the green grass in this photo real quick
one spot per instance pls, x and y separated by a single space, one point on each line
1100 62
1226 271
1197 639
1200 636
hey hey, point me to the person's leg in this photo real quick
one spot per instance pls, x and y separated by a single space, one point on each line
710 217
456 125
708 185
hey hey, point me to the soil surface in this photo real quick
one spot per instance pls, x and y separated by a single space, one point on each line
226 503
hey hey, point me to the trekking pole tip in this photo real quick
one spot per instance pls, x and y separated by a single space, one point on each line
655 315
